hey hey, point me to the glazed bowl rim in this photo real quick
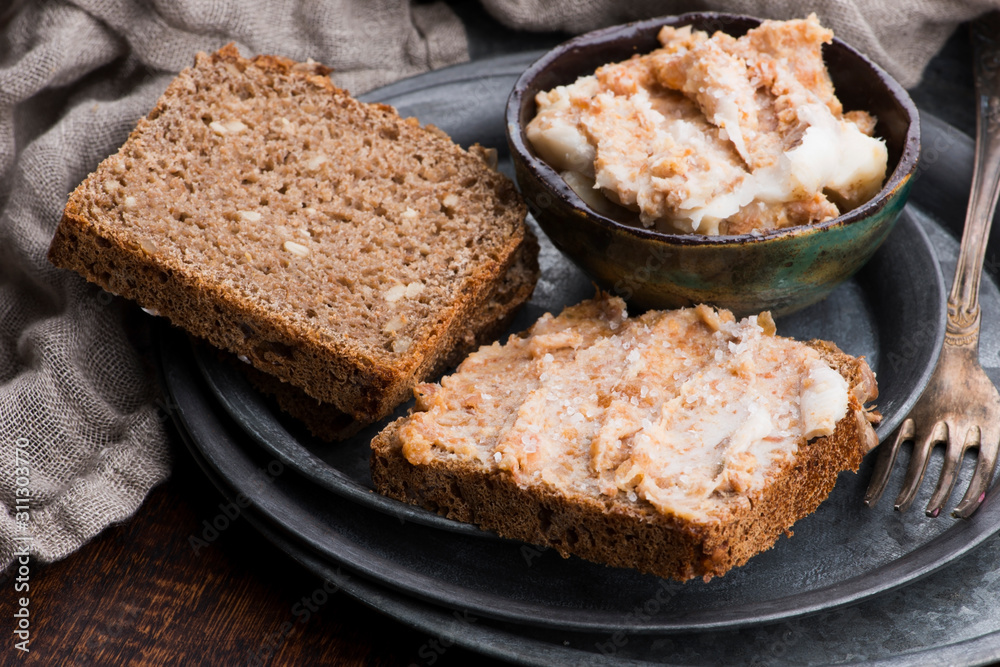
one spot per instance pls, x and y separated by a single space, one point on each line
903 171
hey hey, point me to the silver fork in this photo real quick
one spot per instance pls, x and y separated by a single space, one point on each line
960 405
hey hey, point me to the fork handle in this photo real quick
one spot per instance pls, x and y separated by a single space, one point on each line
963 302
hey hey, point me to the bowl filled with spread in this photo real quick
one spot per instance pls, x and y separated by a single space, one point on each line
713 158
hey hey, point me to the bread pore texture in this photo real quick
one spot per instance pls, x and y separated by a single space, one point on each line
679 443
328 423
334 245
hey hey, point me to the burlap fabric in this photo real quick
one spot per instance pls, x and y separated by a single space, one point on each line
82 439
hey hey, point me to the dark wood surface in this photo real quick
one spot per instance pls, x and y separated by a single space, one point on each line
139 594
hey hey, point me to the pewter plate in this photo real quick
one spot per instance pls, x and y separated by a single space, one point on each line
950 617
892 312
842 554
878 632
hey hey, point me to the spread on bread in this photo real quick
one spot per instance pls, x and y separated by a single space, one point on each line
688 416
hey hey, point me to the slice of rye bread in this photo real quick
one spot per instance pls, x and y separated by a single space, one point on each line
334 244
621 532
328 423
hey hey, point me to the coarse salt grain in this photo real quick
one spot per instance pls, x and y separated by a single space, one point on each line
249 216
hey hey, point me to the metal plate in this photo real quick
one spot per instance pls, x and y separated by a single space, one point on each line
842 554
951 617
892 312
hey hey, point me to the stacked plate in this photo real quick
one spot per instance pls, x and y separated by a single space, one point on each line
519 602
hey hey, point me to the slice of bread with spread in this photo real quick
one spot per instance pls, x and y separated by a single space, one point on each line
679 443
335 245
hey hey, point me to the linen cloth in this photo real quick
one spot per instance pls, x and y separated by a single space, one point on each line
82 437
900 35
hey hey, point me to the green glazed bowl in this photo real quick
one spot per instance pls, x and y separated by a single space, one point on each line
780 270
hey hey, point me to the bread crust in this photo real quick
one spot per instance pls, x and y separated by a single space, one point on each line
330 368
620 533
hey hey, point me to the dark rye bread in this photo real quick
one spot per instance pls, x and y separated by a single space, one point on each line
624 533
328 423
333 244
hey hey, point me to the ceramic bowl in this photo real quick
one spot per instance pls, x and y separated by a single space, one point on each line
780 270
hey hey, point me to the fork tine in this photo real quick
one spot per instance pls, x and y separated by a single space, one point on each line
949 472
886 459
918 466
980 481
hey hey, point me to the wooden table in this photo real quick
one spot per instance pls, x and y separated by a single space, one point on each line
139 594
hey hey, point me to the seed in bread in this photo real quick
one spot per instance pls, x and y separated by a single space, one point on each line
334 244
679 443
